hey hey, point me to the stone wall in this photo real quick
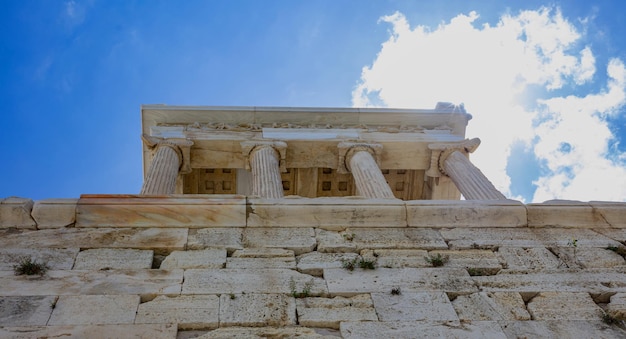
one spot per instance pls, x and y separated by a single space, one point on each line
214 266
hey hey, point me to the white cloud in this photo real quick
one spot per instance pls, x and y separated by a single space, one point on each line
491 69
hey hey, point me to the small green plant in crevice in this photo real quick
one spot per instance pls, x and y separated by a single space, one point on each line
396 291
348 236
27 266
232 296
304 293
53 303
474 271
437 260
621 250
365 264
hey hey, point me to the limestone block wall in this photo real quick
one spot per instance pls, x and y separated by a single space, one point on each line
208 266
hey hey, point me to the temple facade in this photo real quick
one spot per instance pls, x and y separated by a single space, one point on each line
265 222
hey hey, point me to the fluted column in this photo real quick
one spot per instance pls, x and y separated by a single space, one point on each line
368 178
452 161
264 161
167 162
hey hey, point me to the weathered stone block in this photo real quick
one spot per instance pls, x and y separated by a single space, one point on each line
563 213
193 211
263 253
163 239
54 213
209 258
314 263
534 258
94 309
396 258
25 311
113 258
288 263
413 306
491 306
227 238
15 212
347 283
483 262
298 240
573 257
564 306
375 238
462 238
105 282
325 312
250 280
265 332
327 213
54 258
466 213
160 331
598 281
561 329
614 213
421 329
257 310
188 311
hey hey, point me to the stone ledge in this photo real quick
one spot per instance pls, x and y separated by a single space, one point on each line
196 211
450 213
565 213
158 331
327 213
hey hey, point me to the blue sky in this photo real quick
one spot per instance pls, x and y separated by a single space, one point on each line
545 81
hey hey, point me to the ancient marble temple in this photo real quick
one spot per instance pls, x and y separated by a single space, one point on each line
265 222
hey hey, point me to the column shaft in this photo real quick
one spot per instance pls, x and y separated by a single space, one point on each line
266 181
163 171
472 183
368 178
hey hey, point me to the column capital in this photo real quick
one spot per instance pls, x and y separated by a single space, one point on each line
441 151
249 147
347 149
182 147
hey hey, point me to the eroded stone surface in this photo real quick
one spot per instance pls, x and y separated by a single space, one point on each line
166 239
598 282
25 311
188 311
15 212
118 258
491 306
480 262
289 263
157 331
209 258
534 258
466 213
347 283
564 306
397 258
94 309
326 312
257 310
54 258
54 213
298 240
227 238
104 282
265 332
314 263
588 257
617 306
380 238
263 253
421 329
561 329
412 306
250 280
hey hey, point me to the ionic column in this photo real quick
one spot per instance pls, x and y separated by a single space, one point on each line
166 164
368 178
452 161
264 161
